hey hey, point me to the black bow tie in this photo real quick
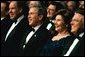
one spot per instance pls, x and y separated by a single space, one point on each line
15 21
33 29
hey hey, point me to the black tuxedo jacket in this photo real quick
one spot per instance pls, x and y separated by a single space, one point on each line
36 42
11 45
46 22
78 49
5 25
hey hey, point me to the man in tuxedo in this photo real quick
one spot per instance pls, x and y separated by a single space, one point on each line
52 9
5 21
48 23
77 28
35 39
18 27
4 17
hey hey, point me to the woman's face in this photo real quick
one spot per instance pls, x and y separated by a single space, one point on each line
59 23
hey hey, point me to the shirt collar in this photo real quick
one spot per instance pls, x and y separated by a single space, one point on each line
20 18
37 27
81 35
2 18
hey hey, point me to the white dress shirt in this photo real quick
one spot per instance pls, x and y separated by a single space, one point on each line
2 18
49 26
31 34
13 26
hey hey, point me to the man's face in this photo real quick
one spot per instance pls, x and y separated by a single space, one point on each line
32 3
71 5
81 4
13 10
3 11
77 23
33 17
51 10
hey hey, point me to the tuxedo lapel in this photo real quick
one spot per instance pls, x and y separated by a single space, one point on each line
36 35
16 29
5 25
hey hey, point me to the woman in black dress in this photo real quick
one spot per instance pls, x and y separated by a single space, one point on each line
57 45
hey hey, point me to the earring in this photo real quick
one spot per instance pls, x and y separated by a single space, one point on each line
20 10
66 25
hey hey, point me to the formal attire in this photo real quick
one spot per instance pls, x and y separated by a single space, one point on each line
49 24
2 18
34 41
5 25
54 48
76 48
14 36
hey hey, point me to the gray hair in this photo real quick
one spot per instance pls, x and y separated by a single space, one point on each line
37 3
